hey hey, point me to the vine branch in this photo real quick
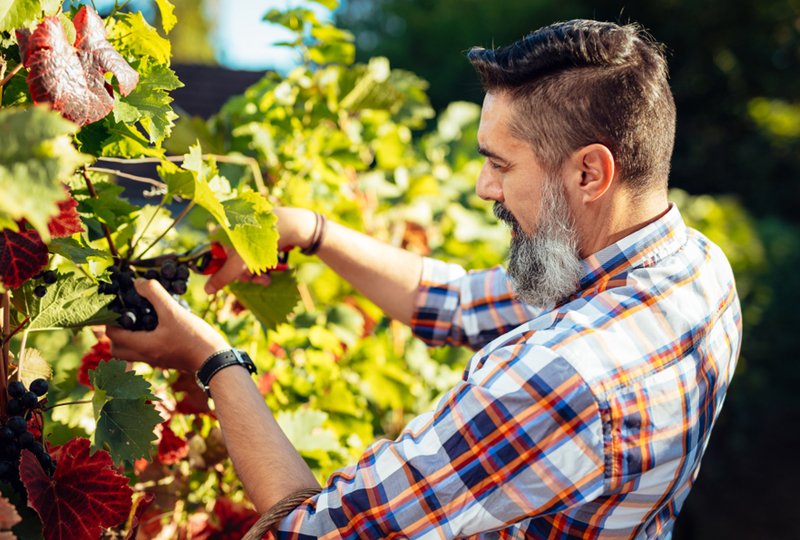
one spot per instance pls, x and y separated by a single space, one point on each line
106 230
10 75
163 234
78 402
6 304
129 176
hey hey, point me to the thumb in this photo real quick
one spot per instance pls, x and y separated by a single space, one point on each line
154 292
231 270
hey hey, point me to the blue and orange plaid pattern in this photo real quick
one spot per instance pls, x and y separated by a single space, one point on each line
587 419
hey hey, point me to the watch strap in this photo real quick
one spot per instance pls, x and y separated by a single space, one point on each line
220 360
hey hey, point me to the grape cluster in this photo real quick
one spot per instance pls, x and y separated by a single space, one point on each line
14 434
135 311
48 277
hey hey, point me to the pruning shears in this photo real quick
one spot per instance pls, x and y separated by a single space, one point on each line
206 259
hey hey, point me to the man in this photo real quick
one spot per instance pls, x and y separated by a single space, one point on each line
604 353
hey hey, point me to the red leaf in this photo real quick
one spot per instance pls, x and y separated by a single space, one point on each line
265 382
195 401
85 494
100 352
71 78
67 222
142 505
22 255
232 523
171 448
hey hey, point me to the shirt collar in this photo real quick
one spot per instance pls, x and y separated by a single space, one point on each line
643 247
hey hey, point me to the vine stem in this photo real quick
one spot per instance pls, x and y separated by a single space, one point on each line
106 230
238 160
78 402
163 234
22 352
129 176
10 75
6 345
146 226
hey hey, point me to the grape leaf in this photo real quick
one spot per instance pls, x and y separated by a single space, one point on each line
149 103
192 181
171 448
256 243
168 18
271 305
305 428
109 206
132 36
8 518
22 255
36 154
18 13
67 222
33 366
70 302
72 79
125 421
240 212
85 494
75 250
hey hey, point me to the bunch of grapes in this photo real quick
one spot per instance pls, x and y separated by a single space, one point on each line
14 434
47 277
135 311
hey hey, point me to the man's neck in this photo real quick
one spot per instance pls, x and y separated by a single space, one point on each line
623 215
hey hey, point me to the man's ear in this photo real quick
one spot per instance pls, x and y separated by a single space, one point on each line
594 170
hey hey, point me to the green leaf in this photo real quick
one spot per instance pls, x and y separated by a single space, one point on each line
125 421
240 212
36 155
305 429
270 305
149 103
133 37
330 4
70 302
256 243
18 13
193 180
109 206
75 250
113 139
168 18
33 366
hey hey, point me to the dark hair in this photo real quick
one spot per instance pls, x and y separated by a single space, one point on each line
580 82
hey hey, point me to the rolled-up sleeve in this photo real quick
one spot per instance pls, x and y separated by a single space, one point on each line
460 308
517 439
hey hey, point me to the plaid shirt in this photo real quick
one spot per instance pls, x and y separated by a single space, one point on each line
587 419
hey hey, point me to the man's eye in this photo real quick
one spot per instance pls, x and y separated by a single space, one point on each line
494 165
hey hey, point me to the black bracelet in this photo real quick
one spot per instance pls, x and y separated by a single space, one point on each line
316 238
220 360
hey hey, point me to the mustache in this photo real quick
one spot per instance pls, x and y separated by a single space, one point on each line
504 214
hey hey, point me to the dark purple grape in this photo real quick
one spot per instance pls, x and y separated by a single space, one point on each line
14 407
6 434
17 424
39 291
6 467
149 322
127 320
26 440
178 287
168 269
40 387
16 389
152 274
132 298
182 272
49 277
29 400
37 449
11 449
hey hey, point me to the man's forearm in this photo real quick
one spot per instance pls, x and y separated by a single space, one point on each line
265 461
387 275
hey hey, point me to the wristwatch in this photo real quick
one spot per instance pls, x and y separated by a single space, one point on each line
220 360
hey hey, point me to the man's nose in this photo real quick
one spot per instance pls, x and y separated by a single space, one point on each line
489 187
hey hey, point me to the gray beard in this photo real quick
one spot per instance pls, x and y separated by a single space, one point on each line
544 267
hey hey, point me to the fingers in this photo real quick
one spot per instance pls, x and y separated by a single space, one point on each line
121 344
231 270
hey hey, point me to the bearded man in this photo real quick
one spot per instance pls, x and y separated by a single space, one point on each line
603 353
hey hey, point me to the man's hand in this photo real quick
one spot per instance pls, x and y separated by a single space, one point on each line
295 228
181 340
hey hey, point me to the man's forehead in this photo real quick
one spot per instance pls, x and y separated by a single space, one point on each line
495 136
